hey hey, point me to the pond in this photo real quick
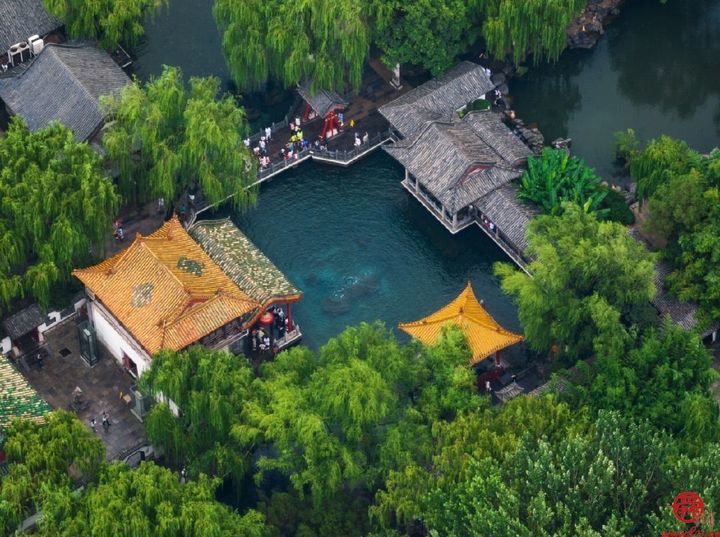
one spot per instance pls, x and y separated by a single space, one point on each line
361 248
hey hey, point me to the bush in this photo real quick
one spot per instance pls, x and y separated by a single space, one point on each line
626 145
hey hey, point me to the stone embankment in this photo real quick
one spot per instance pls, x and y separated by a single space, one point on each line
589 26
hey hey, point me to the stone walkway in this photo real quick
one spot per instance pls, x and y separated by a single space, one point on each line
101 386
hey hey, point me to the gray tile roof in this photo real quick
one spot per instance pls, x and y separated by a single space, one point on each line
511 216
438 98
19 19
322 101
24 321
459 161
64 84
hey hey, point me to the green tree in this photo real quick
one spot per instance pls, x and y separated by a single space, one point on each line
111 22
165 137
148 501
582 270
44 457
555 177
324 42
537 28
662 159
56 205
211 389
428 33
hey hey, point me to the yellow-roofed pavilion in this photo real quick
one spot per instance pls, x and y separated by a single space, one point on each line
484 335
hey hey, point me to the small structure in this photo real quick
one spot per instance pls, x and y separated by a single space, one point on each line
164 292
250 269
459 165
17 398
22 330
484 335
64 83
22 19
324 104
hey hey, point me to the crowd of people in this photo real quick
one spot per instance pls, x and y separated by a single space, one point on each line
264 337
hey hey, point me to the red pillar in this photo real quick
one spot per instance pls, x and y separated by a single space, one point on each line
497 359
290 323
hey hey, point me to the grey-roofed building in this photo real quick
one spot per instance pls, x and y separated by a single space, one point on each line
20 19
64 83
438 98
321 101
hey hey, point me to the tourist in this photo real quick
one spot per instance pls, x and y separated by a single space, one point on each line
191 197
266 341
305 143
246 141
253 340
268 133
366 137
357 140
92 424
161 205
105 421
183 476
352 123
487 386
493 227
514 378
341 119
262 144
297 122
300 134
292 127
120 234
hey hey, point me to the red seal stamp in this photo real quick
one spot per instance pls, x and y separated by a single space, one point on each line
688 507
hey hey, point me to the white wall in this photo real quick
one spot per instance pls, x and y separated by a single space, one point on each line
115 339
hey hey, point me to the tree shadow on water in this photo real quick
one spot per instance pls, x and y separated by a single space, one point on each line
667 55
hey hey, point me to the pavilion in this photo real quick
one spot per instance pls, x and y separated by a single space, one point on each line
324 104
461 163
484 335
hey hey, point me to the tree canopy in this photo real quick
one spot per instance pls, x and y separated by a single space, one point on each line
165 137
146 502
590 278
57 204
44 457
682 190
111 22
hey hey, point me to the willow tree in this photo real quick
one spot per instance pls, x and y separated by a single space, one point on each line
111 22
145 502
538 28
211 389
56 205
39 457
325 42
166 137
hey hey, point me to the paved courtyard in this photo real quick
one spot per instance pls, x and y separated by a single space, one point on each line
64 370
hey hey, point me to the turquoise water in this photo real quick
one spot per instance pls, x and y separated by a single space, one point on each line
361 248
656 70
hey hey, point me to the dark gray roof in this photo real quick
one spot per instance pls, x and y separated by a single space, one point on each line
24 321
322 101
460 161
438 98
511 216
19 19
64 84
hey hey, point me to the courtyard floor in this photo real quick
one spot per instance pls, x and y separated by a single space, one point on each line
102 385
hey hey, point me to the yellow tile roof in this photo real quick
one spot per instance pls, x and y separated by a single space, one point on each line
484 335
165 290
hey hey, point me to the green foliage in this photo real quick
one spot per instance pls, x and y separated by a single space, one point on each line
40 458
662 159
149 501
602 481
428 33
111 22
590 279
165 137
538 28
659 378
683 188
212 388
555 178
325 42
56 205
627 145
